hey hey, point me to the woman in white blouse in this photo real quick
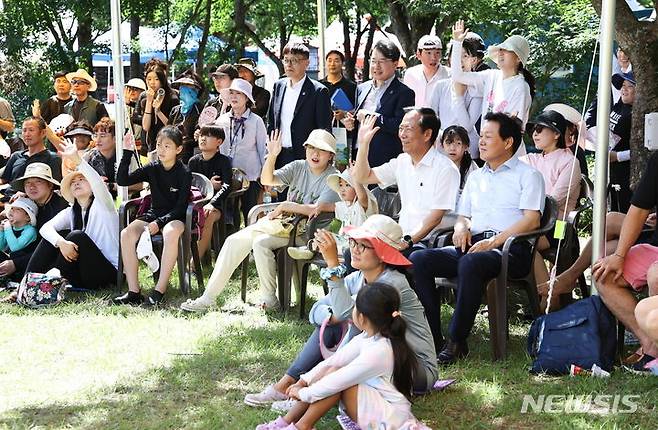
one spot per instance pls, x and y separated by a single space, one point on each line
87 232
246 137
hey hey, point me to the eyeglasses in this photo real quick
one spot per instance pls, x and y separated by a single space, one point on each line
359 246
79 82
292 61
379 63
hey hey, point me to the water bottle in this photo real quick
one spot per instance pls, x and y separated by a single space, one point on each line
267 197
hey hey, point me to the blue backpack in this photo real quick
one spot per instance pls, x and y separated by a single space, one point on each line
584 333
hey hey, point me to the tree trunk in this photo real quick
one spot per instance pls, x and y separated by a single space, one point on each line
201 51
192 19
85 44
347 49
640 42
135 63
239 21
372 26
408 28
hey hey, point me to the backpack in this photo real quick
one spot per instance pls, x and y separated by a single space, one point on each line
584 333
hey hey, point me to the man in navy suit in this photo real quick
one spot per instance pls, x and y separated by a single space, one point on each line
387 97
299 105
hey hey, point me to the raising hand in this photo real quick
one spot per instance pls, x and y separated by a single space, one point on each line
458 31
274 143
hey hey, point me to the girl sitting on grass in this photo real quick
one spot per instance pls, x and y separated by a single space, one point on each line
371 376
170 183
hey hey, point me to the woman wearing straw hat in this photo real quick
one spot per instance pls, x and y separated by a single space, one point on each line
88 255
375 247
246 137
510 88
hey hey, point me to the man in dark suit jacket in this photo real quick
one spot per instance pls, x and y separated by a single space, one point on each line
386 97
299 105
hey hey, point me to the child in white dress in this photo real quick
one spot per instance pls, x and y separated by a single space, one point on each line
371 376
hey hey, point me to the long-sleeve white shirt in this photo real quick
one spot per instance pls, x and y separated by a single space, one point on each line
510 95
103 222
364 360
453 109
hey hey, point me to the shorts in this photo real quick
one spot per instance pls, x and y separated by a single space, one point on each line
637 263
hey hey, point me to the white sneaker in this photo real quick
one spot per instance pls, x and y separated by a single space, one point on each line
197 305
283 406
300 253
264 398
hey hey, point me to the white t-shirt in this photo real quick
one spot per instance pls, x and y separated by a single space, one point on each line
431 184
415 79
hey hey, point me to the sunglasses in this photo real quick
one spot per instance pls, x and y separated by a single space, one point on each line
538 128
359 246
79 82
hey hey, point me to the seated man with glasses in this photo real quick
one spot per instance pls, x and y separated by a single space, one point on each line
428 181
503 198
83 106
299 105
386 97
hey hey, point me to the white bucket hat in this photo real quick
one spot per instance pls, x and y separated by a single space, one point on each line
569 113
136 83
517 44
83 74
333 181
145 251
322 139
239 85
28 206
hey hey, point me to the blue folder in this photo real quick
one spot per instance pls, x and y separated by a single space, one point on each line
339 101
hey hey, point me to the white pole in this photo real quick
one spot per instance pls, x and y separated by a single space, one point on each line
603 133
322 24
119 103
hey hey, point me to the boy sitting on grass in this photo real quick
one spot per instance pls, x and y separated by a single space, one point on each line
216 167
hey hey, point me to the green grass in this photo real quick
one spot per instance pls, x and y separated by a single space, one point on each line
84 364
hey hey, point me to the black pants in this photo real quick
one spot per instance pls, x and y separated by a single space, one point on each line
248 200
91 270
44 256
473 272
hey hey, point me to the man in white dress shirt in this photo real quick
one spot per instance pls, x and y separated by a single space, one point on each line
428 182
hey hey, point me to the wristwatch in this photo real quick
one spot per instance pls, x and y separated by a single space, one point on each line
408 240
327 273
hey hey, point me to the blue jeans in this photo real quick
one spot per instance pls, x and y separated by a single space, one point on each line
473 273
310 354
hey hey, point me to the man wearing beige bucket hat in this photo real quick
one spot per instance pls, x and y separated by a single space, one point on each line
39 186
84 106
306 181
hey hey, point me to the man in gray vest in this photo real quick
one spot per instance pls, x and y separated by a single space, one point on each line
83 106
